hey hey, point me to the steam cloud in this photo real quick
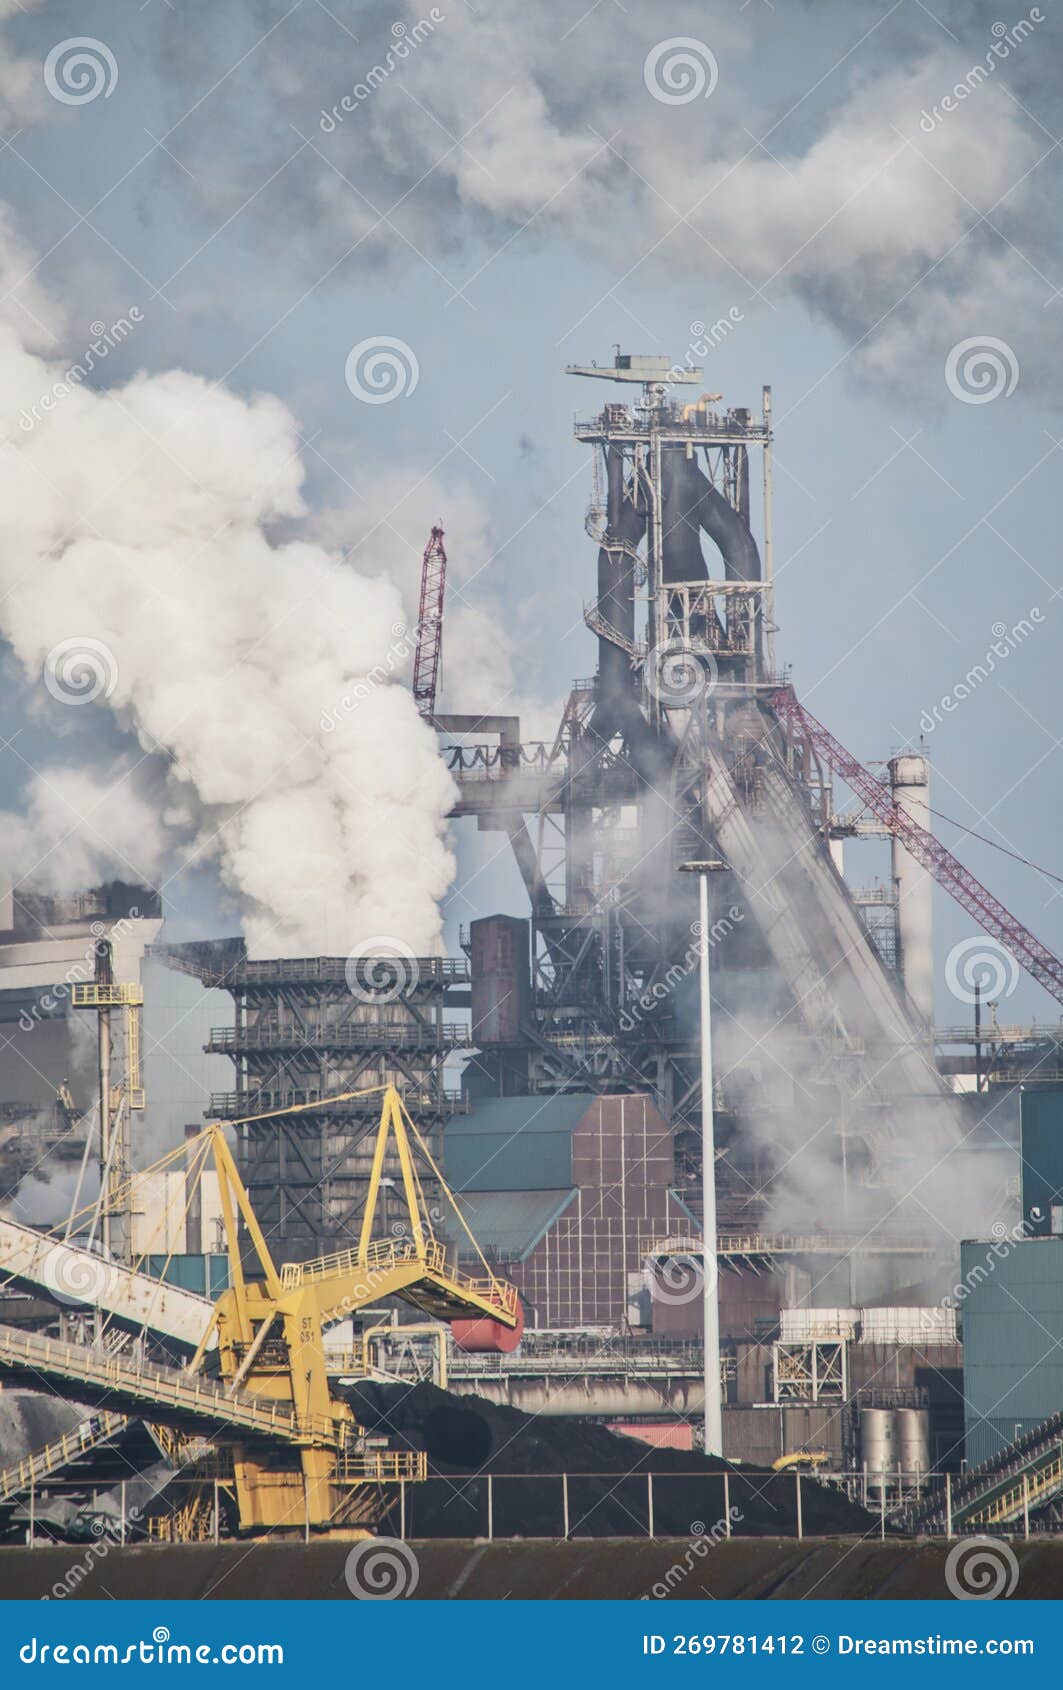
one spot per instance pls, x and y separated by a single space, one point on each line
141 524
904 232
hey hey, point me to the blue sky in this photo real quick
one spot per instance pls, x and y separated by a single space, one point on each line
907 524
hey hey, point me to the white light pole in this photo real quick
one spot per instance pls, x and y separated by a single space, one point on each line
711 1308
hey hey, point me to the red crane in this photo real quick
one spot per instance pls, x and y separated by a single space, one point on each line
946 869
430 625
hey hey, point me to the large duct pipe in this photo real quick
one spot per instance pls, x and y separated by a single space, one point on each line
625 525
910 786
691 503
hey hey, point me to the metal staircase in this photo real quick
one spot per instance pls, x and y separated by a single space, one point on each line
1013 1483
53 1457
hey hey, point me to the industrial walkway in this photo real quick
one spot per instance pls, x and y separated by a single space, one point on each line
186 1401
999 1492
53 1457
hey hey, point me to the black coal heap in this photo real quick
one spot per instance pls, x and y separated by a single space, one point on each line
466 1438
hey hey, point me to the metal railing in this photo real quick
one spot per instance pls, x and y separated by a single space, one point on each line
158 1392
383 1466
424 971
787 1244
382 1035
53 1457
227 1104
385 1255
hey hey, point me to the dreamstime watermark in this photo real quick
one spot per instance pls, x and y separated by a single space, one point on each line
402 647
382 1569
406 38
381 969
705 338
979 1569
380 369
1005 641
678 1280
701 1543
79 70
105 340
979 73
44 1006
111 1534
1006 1239
680 69
679 672
981 369
76 1276
980 970
160 1652
653 996
80 669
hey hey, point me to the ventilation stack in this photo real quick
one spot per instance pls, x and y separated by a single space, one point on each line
910 786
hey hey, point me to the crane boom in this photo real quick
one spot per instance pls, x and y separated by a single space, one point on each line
946 869
430 624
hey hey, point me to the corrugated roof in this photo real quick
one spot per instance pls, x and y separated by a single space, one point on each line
561 1113
509 1224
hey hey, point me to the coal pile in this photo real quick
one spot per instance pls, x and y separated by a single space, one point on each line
465 1438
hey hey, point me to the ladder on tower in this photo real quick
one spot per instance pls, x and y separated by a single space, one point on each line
430 625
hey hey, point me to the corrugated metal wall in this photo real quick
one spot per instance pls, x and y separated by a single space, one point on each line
1012 1309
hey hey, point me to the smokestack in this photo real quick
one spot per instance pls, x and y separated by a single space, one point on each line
193 1197
910 786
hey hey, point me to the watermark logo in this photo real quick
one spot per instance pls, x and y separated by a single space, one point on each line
679 1280
701 1542
1005 40
80 669
104 341
680 672
1004 1241
381 369
979 1569
405 37
651 997
679 70
705 338
980 969
79 70
49 1002
403 645
110 1533
1005 641
381 969
382 1569
981 369
77 1277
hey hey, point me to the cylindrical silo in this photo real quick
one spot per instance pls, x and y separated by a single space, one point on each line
913 1443
910 785
878 1446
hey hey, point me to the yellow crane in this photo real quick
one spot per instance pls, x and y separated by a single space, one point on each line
270 1330
292 1456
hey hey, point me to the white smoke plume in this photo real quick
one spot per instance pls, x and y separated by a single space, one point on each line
140 564
902 216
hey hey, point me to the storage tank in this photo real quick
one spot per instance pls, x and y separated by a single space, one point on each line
878 1446
896 1324
913 1442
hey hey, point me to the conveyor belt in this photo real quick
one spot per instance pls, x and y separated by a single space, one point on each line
165 1394
77 1275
